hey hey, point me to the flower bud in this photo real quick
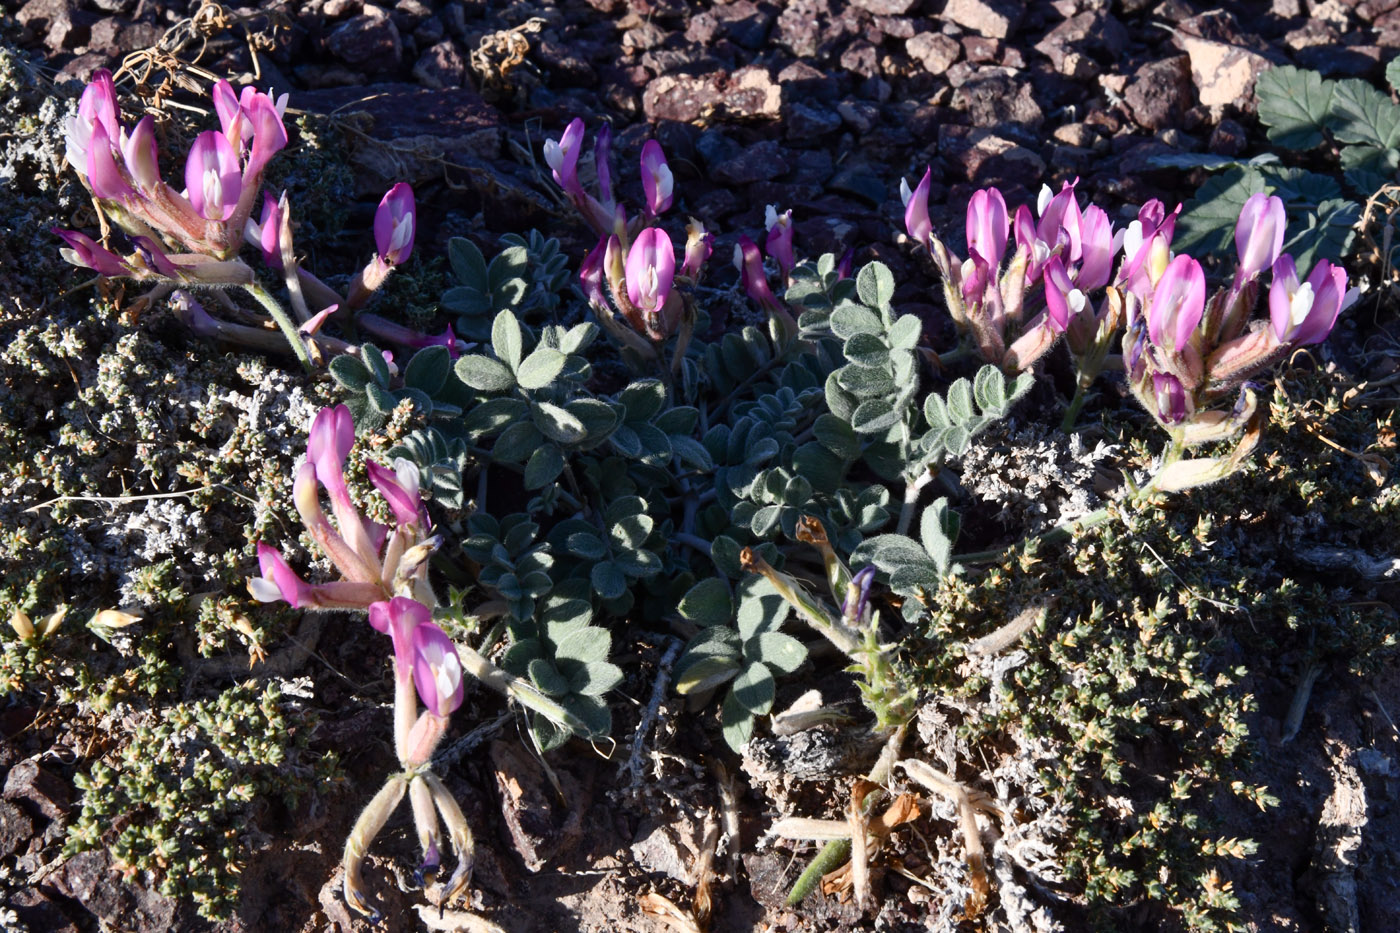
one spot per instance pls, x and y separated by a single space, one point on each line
657 181
916 220
779 242
1259 234
394 223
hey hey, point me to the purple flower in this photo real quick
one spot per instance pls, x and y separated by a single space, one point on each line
213 178
1063 298
657 182
1177 303
651 268
590 274
1096 266
1148 237
916 220
394 223
82 250
749 261
845 264
1259 234
267 235
103 174
399 487
155 259
602 159
987 227
280 582
779 242
1305 314
98 107
1171 398
562 158
399 618
1059 227
269 133
139 153
437 670
859 588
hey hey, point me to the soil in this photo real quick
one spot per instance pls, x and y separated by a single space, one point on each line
820 105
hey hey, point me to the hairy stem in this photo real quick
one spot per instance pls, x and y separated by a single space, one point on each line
279 314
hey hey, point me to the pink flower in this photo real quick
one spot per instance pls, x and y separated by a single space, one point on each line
590 274
98 107
399 487
602 158
213 178
779 242
1096 265
139 153
82 250
394 223
1177 303
749 262
1149 235
1059 228
1063 299
562 158
916 220
987 226
1305 314
399 618
437 670
104 175
280 582
651 268
1259 234
1171 398
657 181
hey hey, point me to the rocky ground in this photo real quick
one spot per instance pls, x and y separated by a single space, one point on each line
817 105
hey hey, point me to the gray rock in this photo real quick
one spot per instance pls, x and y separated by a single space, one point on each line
763 161
934 50
370 40
809 121
441 66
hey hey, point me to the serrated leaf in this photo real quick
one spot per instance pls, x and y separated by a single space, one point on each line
1207 224
706 673
608 580
427 371
1362 114
543 467
507 341
707 603
1326 234
779 651
468 265
484 374
875 285
1295 105
540 368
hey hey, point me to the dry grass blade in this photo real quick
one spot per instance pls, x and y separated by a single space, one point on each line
945 786
665 910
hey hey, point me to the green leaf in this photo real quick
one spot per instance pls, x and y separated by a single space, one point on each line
866 382
587 643
586 546
875 285
507 341
517 443
510 263
540 368
427 371
643 399
852 319
608 580
484 374
754 689
905 333
760 607
707 603
867 350
597 417
470 304
493 414
1207 224
960 401
724 551
777 650
737 723
543 467
468 265
379 399
594 678
1362 114
547 678
836 436
349 372
1295 105
557 423
373 358
823 469
936 412
989 388
706 672
874 415
840 402
1326 234
939 530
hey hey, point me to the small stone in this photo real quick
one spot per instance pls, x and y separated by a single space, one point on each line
370 40
886 7
981 50
763 161
49 793
802 80
799 26
1224 74
37 911
896 27
1161 92
995 18
1076 134
335 9
1331 61
934 50
861 58
806 121
1229 138
647 35
1072 158
1088 35
859 115
746 24
752 94
60 22
683 98
860 182
116 37
992 99
569 68
16 828
441 66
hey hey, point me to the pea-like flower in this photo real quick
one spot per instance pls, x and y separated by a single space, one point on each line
394 224
658 184
779 241
1259 234
1304 314
651 269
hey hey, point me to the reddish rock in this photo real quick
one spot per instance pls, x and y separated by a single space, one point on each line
1229 138
1223 68
1161 92
934 50
60 22
441 66
46 791
763 161
15 828
886 7
991 99
861 58
799 26
116 37
369 40
995 18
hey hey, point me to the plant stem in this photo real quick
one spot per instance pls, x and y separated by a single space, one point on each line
911 500
279 314
1072 413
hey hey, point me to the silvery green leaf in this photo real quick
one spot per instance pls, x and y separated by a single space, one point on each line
939 530
823 468
594 678
875 285
874 415
960 401
760 607
642 399
761 451
556 423
797 492
737 723
512 263
547 678
756 344
349 371
866 383
706 672
724 551
536 584
679 420
507 342
905 333
380 400
540 368
841 403
836 436
565 611
936 412
779 651
867 350
597 417
911 579
716 641
428 370
587 643
517 443
578 338
518 657
622 507
707 603
422 404
852 319
493 414
468 265
656 446
626 442
989 388
692 453
956 440
632 531
826 264
905 366
484 374
543 467
608 580
765 520
754 688
591 711
466 301
638 563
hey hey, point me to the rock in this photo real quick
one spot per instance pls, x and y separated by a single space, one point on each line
995 18
984 156
1229 138
981 50
896 27
1072 158
37 911
1357 61
49 793
15 828
60 22
859 115
1080 135
861 58
370 40
1072 45
1312 32
859 182
1223 69
564 64
441 66
336 9
646 35
763 161
93 880
424 124
934 50
801 81
812 166
992 98
1161 92
116 37
751 93
540 825
809 121
886 7
683 98
799 26
746 24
